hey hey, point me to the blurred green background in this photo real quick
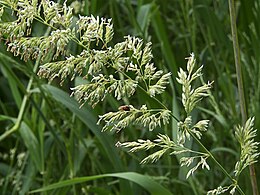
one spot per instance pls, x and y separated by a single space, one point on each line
58 141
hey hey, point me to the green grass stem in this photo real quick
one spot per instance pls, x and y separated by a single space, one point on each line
240 83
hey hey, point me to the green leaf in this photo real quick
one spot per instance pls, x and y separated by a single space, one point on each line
143 18
32 145
146 182
13 80
162 35
89 119
29 140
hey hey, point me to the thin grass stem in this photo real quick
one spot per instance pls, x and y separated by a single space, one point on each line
240 84
217 163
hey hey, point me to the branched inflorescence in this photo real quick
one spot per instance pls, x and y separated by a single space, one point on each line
117 70
248 154
94 34
144 117
190 97
129 64
245 136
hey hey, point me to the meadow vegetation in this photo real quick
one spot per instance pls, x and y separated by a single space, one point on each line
129 97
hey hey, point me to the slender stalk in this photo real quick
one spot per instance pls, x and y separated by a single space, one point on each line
158 101
240 84
199 142
217 163
24 102
207 151
237 61
21 111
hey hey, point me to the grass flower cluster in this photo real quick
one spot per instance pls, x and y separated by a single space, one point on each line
118 70
94 35
190 97
245 136
144 117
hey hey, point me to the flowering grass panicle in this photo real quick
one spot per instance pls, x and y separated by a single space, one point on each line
245 136
143 117
248 154
129 62
118 70
191 96
185 129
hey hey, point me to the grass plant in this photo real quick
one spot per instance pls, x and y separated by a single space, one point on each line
121 64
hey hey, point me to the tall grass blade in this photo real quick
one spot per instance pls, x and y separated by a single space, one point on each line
146 182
